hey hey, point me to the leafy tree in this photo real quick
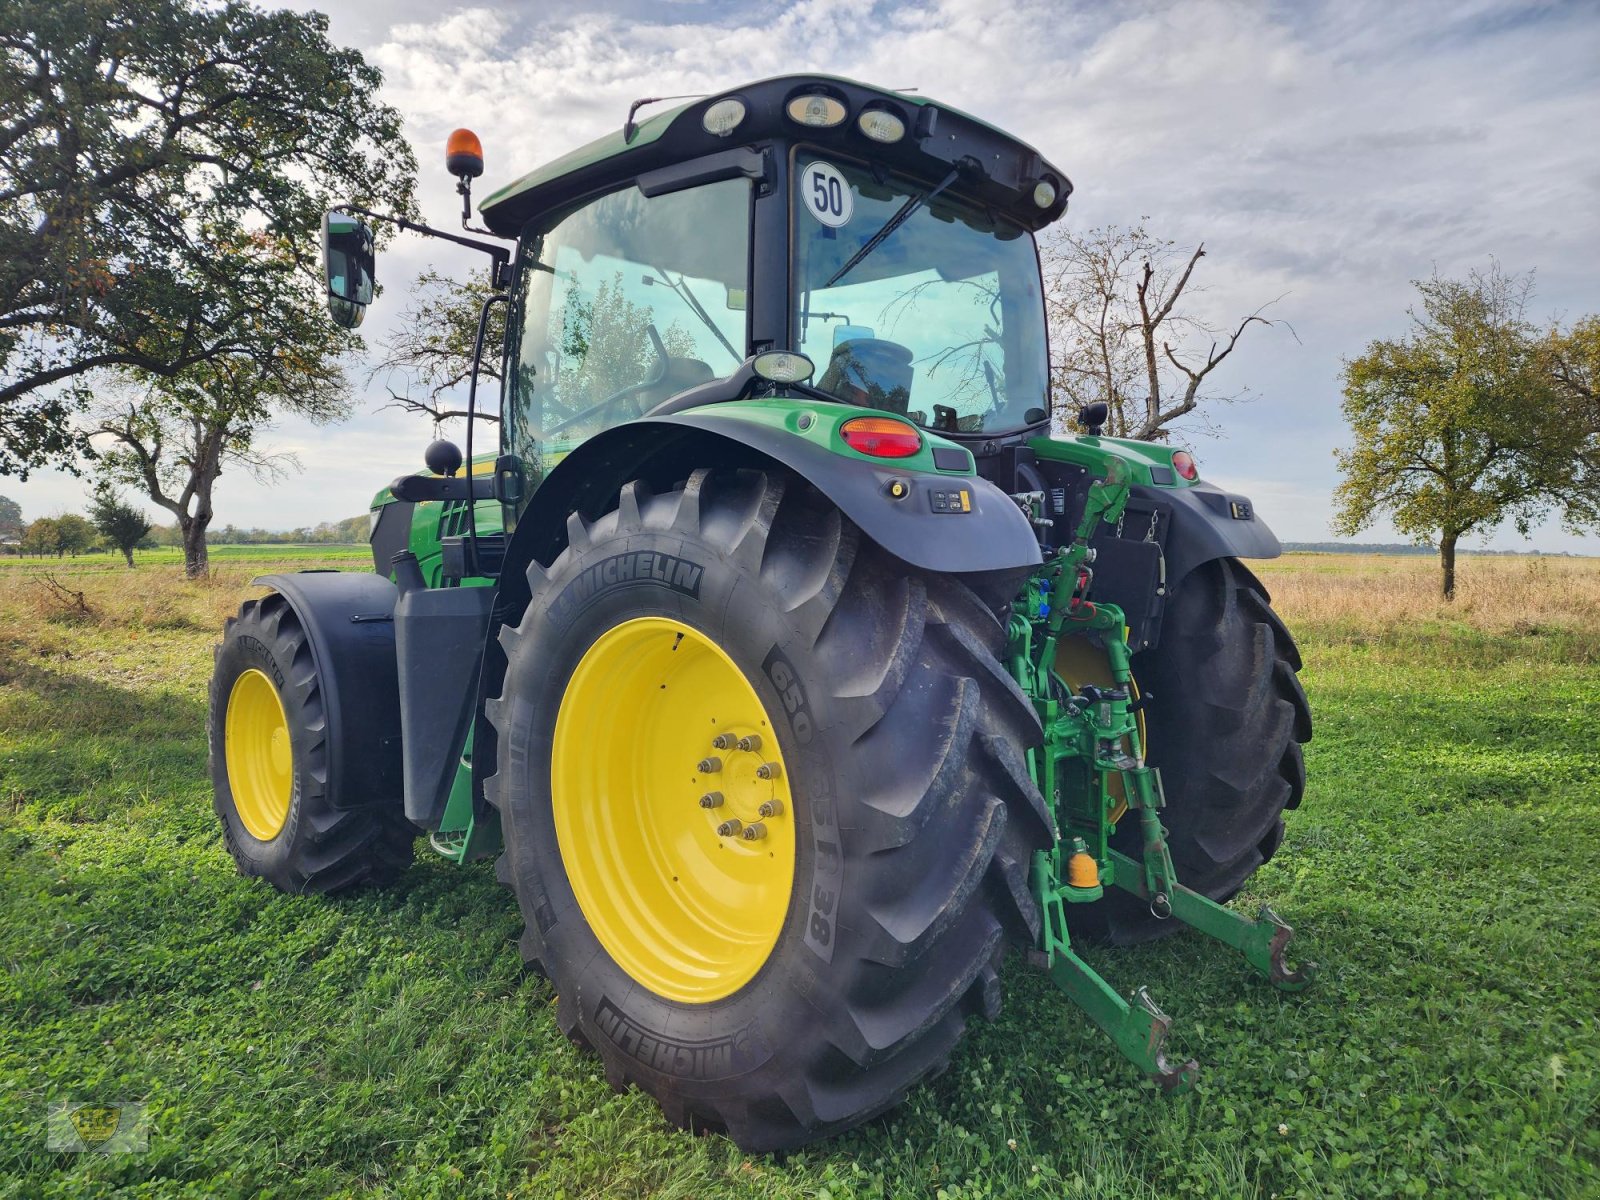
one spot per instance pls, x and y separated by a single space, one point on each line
167 535
1459 425
121 524
74 535
1572 360
1121 331
41 537
139 139
11 523
174 437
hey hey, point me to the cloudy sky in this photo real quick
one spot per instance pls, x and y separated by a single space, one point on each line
1325 152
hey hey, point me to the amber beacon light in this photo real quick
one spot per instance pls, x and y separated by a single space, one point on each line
463 154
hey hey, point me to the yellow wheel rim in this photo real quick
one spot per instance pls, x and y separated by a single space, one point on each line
1080 661
259 756
687 907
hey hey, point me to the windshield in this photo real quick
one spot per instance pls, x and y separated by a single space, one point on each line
939 319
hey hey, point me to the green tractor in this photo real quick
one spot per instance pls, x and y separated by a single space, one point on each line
781 654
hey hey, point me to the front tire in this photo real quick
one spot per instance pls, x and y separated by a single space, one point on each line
910 816
268 735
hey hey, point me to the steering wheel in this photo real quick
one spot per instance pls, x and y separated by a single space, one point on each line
632 392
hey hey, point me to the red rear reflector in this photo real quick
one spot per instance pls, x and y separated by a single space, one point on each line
881 437
1183 463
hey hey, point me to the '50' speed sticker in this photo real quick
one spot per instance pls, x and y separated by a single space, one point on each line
826 194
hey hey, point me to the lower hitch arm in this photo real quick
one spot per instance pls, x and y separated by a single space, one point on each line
1139 1029
1263 942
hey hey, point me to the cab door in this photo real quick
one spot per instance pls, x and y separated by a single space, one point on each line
622 303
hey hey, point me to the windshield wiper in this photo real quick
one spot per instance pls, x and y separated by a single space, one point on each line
889 226
685 294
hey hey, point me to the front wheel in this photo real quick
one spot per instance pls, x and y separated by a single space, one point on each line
270 770
766 806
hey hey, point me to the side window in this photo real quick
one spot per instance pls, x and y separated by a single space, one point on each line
632 299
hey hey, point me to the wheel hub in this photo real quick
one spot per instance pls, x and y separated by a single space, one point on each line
259 753
672 809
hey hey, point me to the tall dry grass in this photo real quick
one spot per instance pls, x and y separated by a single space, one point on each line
153 598
1359 597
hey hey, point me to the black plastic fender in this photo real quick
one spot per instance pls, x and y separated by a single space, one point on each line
994 536
349 619
1206 523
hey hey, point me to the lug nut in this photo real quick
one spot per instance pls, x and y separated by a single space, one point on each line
753 742
730 827
772 808
709 766
711 800
770 770
723 741
754 832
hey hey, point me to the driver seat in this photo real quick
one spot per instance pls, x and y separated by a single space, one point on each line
872 372
680 374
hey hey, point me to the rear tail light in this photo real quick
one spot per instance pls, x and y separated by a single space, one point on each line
1183 463
881 437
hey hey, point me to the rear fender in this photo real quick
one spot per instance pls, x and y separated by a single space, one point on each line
987 532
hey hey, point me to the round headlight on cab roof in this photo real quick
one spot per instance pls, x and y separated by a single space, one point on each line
816 110
1044 193
723 117
881 125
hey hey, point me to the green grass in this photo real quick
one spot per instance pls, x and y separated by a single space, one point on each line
1444 870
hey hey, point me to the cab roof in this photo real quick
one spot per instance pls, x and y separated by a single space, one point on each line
996 167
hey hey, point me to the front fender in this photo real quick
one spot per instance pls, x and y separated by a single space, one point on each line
1206 523
947 520
348 618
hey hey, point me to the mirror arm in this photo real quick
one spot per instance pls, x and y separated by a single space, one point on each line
417 488
500 254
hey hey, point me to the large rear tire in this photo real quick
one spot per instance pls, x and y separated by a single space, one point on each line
269 765
909 817
1226 722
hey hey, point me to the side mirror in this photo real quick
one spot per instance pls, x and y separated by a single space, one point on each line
348 258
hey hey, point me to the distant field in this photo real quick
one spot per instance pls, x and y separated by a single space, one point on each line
1443 869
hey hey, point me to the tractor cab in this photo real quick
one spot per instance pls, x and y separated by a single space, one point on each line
883 237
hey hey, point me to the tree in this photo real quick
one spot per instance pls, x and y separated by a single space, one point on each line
429 352
174 437
136 138
1459 425
1118 333
11 523
121 524
1572 360
41 537
74 535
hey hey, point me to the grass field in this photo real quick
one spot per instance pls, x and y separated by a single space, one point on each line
1444 870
